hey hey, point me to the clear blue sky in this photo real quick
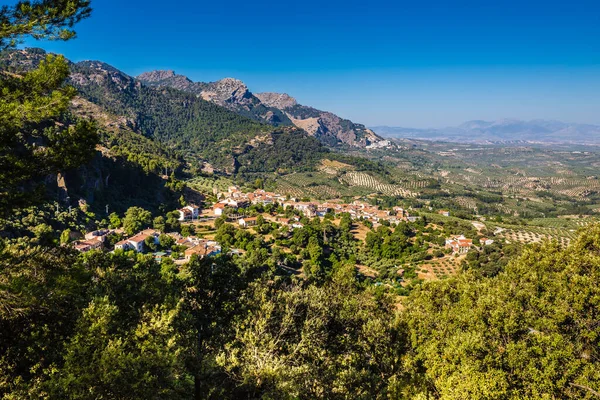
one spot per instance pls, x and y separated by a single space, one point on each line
428 63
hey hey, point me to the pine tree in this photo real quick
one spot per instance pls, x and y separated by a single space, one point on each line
38 137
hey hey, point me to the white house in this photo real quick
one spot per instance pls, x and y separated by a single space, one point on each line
188 212
136 242
219 208
246 222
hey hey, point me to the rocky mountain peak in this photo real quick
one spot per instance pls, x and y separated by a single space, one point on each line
156 76
277 100
227 90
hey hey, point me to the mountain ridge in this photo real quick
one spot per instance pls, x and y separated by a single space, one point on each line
273 108
503 131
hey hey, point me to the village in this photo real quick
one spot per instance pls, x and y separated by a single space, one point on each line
232 206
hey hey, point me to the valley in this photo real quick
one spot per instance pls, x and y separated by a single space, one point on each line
170 238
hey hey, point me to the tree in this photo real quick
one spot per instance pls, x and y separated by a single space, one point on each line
188 230
304 342
530 332
211 289
115 220
150 243
65 236
166 241
159 223
136 218
38 137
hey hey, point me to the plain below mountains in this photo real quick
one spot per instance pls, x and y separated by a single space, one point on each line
503 131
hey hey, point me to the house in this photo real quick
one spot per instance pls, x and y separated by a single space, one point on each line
203 249
137 241
219 208
185 242
486 241
399 212
445 213
86 245
459 244
184 214
123 245
94 235
188 212
233 203
151 232
308 209
323 209
246 222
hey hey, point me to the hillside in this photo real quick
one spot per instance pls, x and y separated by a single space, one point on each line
149 133
273 108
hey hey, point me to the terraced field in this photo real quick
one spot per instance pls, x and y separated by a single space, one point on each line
364 180
316 185
209 184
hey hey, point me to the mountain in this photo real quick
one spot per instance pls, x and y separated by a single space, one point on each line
148 133
273 108
230 93
503 131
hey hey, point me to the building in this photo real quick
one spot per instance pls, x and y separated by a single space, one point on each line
205 248
486 241
188 212
123 245
248 221
219 208
459 244
308 209
95 235
184 214
86 245
445 213
137 242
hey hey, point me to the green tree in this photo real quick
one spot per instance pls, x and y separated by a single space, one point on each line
529 332
38 137
136 219
330 342
115 220
166 241
159 223
65 236
150 243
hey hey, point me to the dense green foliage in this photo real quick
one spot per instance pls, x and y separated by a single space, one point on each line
37 135
286 318
291 150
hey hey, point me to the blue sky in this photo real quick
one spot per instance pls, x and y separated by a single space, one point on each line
420 63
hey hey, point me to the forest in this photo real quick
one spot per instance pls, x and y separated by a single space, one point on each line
119 325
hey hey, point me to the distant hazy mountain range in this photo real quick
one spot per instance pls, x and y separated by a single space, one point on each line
503 131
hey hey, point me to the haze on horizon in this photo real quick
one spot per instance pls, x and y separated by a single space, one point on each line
381 63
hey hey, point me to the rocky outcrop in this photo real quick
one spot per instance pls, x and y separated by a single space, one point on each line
169 78
229 92
277 100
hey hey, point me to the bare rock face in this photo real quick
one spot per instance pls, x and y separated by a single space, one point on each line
228 91
169 78
156 76
277 100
